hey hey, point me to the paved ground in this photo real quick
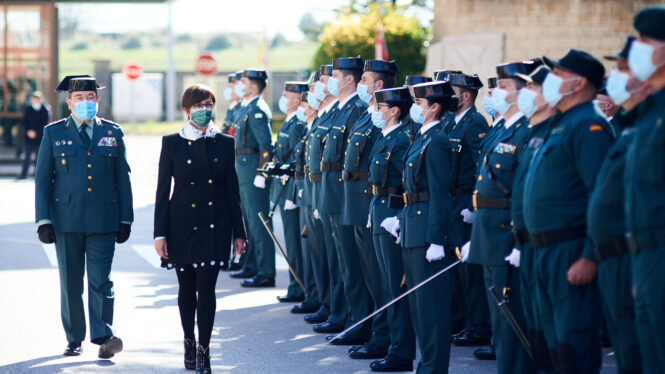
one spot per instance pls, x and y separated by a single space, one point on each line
253 332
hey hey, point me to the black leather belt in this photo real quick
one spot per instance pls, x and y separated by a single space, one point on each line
548 238
521 236
412 198
315 177
297 174
331 166
617 247
384 191
482 202
646 240
246 151
347 175
459 191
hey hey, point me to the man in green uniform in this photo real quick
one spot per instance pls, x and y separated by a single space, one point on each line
645 183
83 203
283 190
569 158
253 150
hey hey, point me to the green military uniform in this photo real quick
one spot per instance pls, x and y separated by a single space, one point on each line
84 191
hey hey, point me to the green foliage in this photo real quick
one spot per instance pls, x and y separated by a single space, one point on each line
131 43
277 41
353 34
183 38
218 43
79 46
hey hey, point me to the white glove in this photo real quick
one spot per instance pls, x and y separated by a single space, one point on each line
398 240
514 257
300 194
391 224
316 214
284 178
466 248
289 205
467 216
435 252
369 221
259 181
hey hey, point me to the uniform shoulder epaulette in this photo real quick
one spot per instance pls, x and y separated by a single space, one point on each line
264 107
60 121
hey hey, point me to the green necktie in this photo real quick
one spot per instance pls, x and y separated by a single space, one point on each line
84 135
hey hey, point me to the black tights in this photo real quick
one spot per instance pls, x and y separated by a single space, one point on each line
202 280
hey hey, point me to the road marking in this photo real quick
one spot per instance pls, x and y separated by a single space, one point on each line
49 250
148 253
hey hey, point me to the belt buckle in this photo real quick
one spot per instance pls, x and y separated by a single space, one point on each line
405 198
632 243
474 200
375 190
345 175
309 176
283 182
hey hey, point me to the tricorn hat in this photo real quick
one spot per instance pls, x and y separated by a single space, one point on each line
73 83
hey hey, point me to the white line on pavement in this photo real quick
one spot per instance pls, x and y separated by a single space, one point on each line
49 250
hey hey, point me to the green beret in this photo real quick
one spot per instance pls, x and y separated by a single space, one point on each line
649 22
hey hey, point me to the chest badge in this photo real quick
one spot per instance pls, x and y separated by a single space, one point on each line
107 141
504 148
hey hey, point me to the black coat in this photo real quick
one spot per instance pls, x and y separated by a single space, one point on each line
35 120
203 214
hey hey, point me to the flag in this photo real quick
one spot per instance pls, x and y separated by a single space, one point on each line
380 47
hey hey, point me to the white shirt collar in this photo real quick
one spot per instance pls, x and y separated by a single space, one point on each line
190 132
425 127
497 120
246 102
288 117
234 105
385 132
346 99
459 117
510 121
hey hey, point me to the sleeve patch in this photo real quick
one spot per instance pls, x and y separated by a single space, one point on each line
595 127
258 115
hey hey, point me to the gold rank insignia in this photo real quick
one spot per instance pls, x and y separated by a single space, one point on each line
595 127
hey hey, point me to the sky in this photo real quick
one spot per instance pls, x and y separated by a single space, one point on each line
206 16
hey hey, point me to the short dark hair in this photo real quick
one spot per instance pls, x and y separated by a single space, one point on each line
357 74
388 79
403 106
474 93
260 83
519 83
196 93
444 102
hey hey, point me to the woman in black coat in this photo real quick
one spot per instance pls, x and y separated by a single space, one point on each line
195 225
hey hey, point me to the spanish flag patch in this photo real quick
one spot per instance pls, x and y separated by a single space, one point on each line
595 127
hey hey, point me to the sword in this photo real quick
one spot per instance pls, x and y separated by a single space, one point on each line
501 303
279 246
393 301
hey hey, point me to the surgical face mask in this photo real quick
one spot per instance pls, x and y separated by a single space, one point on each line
312 100
551 88
526 102
377 119
228 94
417 113
640 60
320 91
333 86
487 104
283 104
499 100
37 106
85 110
616 86
202 117
300 114
363 93
239 89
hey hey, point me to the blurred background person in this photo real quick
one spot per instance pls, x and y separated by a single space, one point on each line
35 117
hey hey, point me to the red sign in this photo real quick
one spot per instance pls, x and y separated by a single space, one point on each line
132 71
206 65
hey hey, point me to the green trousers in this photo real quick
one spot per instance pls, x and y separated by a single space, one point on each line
338 306
307 246
291 225
262 249
319 260
75 253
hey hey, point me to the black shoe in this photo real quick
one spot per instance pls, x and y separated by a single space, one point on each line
369 351
344 340
290 299
234 266
73 349
109 347
315 317
303 308
242 274
391 364
356 347
470 338
485 353
203 360
328 328
258 281
190 354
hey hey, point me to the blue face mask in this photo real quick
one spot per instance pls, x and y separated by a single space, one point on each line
526 102
333 86
36 106
228 94
202 117
417 113
320 91
363 93
640 60
283 104
239 89
377 119
313 102
85 110
300 114
487 104
499 100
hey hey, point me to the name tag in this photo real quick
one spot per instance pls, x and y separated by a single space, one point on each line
107 141
505 148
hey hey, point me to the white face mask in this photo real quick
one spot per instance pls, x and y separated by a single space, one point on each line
526 102
499 101
640 60
616 86
551 88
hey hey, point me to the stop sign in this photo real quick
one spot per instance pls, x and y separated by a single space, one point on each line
132 71
206 64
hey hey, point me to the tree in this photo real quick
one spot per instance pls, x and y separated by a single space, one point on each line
131 43
353 34
310 27
218 43
277 41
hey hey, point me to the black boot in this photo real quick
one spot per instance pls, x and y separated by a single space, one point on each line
203 360
190 354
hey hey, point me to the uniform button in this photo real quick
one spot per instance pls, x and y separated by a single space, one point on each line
357 144
244 159
189 142
210 203
334 136
279 145
377 162
89 154
189 161
340 179
418 212
480 177
63 155
383 201
110 155
193 205
195 228
56 199
89 177
209 181
498 166
212 226
89 189
215 160
410 165
191 183
89 166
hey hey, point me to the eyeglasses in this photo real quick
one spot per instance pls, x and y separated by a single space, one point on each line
208 105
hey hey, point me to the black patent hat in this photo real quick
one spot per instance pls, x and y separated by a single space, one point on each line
326 70
650 22
313 77
297 87
72 83
433 90
416 79
537 76
393 95
232 78
623 54
471 82
238 75
442 75
511 69
255 74
347 63
381 66
582 64
491 82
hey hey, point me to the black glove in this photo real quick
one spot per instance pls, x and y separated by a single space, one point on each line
123 233
46 233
